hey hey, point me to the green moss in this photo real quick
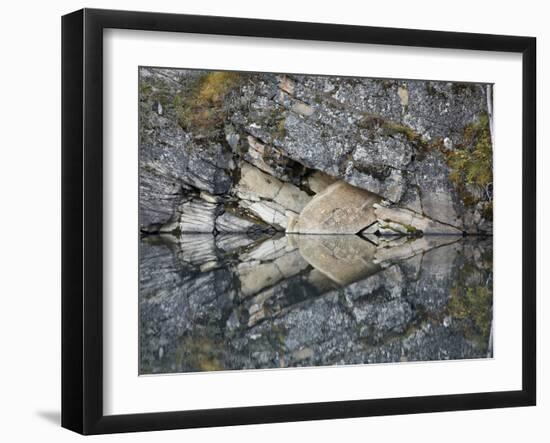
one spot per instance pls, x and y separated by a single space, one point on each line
202 109
215 85
145 90
176 232
318 98
389 127
487 211
280 128
273 119
387 84
380 172
371 121
393 128
471 299
434 92
148 168
471 163
411 229
473 306
463 88
150 93
202 353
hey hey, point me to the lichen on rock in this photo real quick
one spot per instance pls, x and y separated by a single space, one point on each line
265 147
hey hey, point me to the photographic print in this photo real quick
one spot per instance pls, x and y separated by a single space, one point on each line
291 220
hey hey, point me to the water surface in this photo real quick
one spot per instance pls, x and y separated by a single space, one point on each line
231 302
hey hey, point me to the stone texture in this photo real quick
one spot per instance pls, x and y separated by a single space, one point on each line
193 216
207 197
269 142
256 185
292 198
410 220
338 209
269 212
318 181
229 222
439 201
170 160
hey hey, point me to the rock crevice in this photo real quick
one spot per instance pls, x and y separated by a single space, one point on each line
312 154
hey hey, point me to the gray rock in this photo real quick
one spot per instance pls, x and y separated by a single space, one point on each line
410 221
267 211
338 209
393 151
439 201
210 198
170 160
255 185
318 181
276 140
229 222
193 216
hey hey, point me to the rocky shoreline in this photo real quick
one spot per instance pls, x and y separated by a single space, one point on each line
225 152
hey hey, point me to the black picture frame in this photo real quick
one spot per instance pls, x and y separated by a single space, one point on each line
82 219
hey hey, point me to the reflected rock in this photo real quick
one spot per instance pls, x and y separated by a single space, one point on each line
196 249
342 258
234 242
398 250
256 276
268 249
298 300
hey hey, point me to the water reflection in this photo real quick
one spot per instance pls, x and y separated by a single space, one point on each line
237 302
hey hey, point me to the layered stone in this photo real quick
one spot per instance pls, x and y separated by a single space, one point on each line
275 141
338 209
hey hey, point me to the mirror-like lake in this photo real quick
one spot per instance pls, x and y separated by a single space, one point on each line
231 302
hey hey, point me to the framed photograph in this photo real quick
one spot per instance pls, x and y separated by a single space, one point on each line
269 221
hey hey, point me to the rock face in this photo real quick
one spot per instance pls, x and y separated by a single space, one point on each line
267 148
230 223
338 209
193 216
289 214
394 218
269 198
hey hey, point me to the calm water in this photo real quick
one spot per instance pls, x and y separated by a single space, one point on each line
234 302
